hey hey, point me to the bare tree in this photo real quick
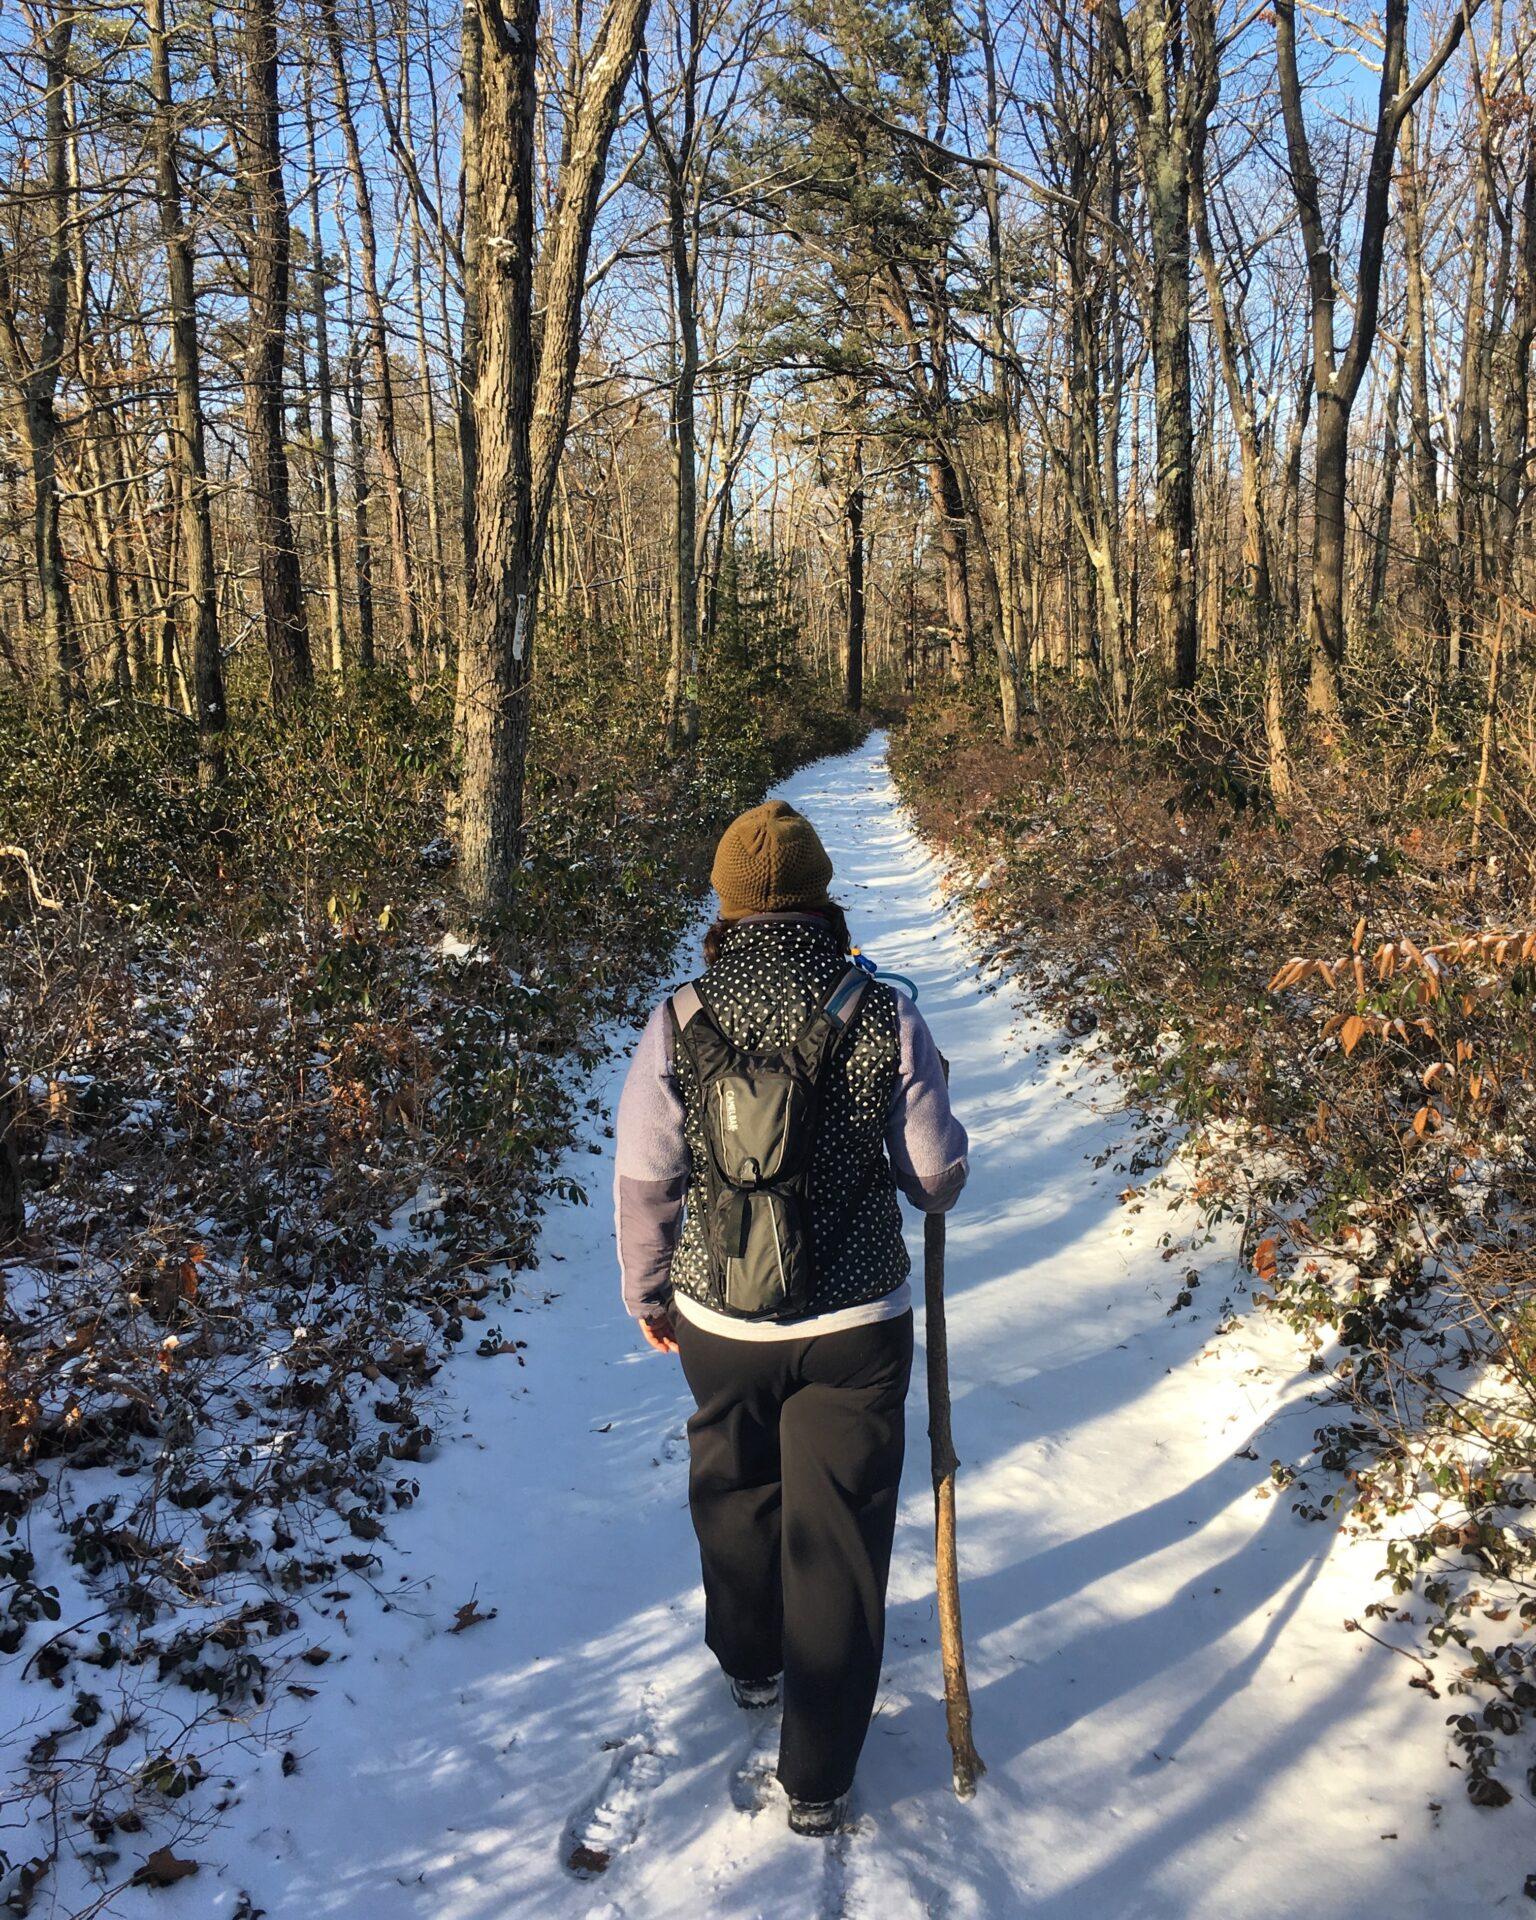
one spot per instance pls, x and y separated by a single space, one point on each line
1236 360
1171 98
677 152
33 373
330 490
285 620
387 435
1337 373
190 455
520 419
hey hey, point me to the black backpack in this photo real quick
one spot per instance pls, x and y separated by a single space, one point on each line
761 1113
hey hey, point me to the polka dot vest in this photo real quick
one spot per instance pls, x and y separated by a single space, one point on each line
769 979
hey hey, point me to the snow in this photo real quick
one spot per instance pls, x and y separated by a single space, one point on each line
455 948
1175 1724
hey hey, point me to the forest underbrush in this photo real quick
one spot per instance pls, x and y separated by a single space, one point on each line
1331 1008
284 1134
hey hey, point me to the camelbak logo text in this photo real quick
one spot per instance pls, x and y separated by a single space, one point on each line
728 1101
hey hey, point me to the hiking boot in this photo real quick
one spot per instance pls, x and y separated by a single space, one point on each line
817 1819
756 1694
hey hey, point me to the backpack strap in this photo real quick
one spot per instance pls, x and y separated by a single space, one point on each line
696 1031
818 1039
843 1002
687 1004
816 1045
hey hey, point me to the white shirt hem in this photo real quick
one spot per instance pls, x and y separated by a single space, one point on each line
890 1306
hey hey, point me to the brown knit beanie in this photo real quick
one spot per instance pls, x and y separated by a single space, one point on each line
770 861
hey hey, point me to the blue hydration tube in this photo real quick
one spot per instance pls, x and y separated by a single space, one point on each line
862 959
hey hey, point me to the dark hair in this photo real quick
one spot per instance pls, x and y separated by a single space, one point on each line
832 913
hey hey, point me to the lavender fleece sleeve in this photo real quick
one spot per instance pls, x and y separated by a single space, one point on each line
927 1144
650 1171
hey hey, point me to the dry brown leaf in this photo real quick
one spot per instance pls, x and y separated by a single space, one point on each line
163 1869
469 1615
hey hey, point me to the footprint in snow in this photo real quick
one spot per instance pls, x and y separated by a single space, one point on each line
839 1899
609 1823
754 1784
860 1880
675 1446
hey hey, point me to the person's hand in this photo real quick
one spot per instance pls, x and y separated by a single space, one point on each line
659 1332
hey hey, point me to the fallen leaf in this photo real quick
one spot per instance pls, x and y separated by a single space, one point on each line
469 1615
163 1869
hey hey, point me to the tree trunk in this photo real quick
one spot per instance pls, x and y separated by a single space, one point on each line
1325 619
853 649
282 589
1152 58
190 453
1175 439
437 642
101 463
950 525
1423 477
436 625
35 374
12 1210
682 682
1381 546
1290 502
471 62
387 434
362 492
1466 466
1337 374
494 675
525 414
1008 630
952 508
1258 565
330 490
682 719
1512 452
568 242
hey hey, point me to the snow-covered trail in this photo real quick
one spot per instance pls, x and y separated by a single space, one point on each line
1174 1722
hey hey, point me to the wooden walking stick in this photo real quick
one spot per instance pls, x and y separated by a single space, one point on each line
968 1763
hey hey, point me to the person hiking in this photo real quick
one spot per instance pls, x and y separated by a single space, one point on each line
771 1110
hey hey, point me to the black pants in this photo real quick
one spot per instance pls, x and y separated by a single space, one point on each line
796 1453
